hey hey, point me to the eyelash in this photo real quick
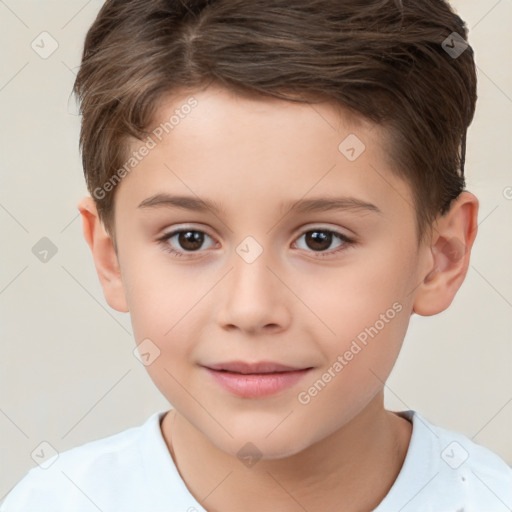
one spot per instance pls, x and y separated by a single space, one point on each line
347 242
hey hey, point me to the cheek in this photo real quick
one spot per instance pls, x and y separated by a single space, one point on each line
358 359
163 301
159 293
367 336
350 298
362 314
161 314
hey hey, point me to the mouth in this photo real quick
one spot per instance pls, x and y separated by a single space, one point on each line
255 380
248 368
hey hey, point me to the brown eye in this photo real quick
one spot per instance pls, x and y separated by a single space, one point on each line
186 241
319 241
190 240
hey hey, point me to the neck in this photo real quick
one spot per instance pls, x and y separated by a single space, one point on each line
351 469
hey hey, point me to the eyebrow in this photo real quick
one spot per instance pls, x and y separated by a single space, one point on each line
324 204
183 202
320 204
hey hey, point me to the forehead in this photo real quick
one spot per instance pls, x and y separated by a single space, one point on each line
229 111
237 149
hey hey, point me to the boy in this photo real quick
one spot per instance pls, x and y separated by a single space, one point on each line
257 132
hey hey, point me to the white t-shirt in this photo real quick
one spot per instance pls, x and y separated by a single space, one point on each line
133 471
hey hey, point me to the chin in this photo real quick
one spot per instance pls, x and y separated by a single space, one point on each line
264 447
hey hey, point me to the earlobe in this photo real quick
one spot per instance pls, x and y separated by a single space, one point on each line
454 234
104 255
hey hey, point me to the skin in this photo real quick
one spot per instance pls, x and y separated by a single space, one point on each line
342 450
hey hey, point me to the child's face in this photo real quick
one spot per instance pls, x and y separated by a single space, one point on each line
290 305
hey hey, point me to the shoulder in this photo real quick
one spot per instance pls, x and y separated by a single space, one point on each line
484 472
449 471
81 478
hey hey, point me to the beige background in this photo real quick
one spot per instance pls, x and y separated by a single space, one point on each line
67 371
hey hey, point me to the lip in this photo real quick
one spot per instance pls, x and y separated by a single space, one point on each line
259 367
255 380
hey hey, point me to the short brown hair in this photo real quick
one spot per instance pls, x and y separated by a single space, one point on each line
384 60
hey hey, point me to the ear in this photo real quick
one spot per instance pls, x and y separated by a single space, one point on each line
104 255
448 258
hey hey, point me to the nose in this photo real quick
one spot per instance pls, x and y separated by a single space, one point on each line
254 298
